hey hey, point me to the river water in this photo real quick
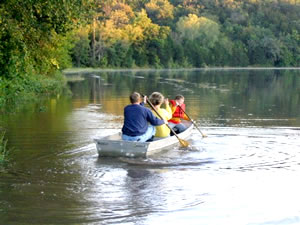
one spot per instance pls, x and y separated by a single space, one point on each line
245 172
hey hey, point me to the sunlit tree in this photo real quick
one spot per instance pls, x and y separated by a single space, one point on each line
159 11
203 29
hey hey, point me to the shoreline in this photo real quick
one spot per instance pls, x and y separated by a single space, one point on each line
88 70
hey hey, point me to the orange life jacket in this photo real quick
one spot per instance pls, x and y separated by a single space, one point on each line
177 112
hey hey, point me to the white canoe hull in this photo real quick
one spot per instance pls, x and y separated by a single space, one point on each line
114 146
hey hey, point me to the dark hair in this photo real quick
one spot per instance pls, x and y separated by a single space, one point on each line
156 98
135 97
178 97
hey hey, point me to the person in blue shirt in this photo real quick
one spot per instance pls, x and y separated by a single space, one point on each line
136 119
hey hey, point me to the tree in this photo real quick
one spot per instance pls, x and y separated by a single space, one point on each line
239 54
263 47
121 15
81 50
203 29
33 35
160 11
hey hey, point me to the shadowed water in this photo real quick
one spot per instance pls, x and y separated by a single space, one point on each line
245 172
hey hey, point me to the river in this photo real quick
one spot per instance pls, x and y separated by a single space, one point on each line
244 173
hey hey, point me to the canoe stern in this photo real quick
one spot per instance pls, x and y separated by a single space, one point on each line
122 148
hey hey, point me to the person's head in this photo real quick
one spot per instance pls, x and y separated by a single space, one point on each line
135 97
156 98
179 99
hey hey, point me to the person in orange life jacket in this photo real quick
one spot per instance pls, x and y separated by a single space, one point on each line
136 119
178 114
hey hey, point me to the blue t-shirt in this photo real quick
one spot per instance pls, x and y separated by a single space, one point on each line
136 118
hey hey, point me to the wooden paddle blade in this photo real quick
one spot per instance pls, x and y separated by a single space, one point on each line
184 143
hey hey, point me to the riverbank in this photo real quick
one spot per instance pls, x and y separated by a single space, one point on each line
17 92
20 92
90 70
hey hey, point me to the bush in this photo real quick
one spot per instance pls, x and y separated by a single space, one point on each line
17 92
3 147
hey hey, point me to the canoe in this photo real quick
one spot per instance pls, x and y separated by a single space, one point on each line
114 146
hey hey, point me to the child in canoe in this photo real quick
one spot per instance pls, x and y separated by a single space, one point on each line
178 108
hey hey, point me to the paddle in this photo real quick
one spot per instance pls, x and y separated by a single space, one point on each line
203 135
182 142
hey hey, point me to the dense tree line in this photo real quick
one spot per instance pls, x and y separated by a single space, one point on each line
190 33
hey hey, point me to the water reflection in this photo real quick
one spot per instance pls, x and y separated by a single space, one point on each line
232 97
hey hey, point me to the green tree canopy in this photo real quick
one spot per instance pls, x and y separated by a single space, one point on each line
33 34
192 27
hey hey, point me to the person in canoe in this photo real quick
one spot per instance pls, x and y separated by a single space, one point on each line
157 99
136 119
178 108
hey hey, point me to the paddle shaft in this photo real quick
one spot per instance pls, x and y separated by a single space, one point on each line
182 142
203 135
152 106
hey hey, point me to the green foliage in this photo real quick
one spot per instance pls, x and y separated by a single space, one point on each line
15 93
37 37
81 51
35 43
160 11
193 27
179 33
3 147
33 35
